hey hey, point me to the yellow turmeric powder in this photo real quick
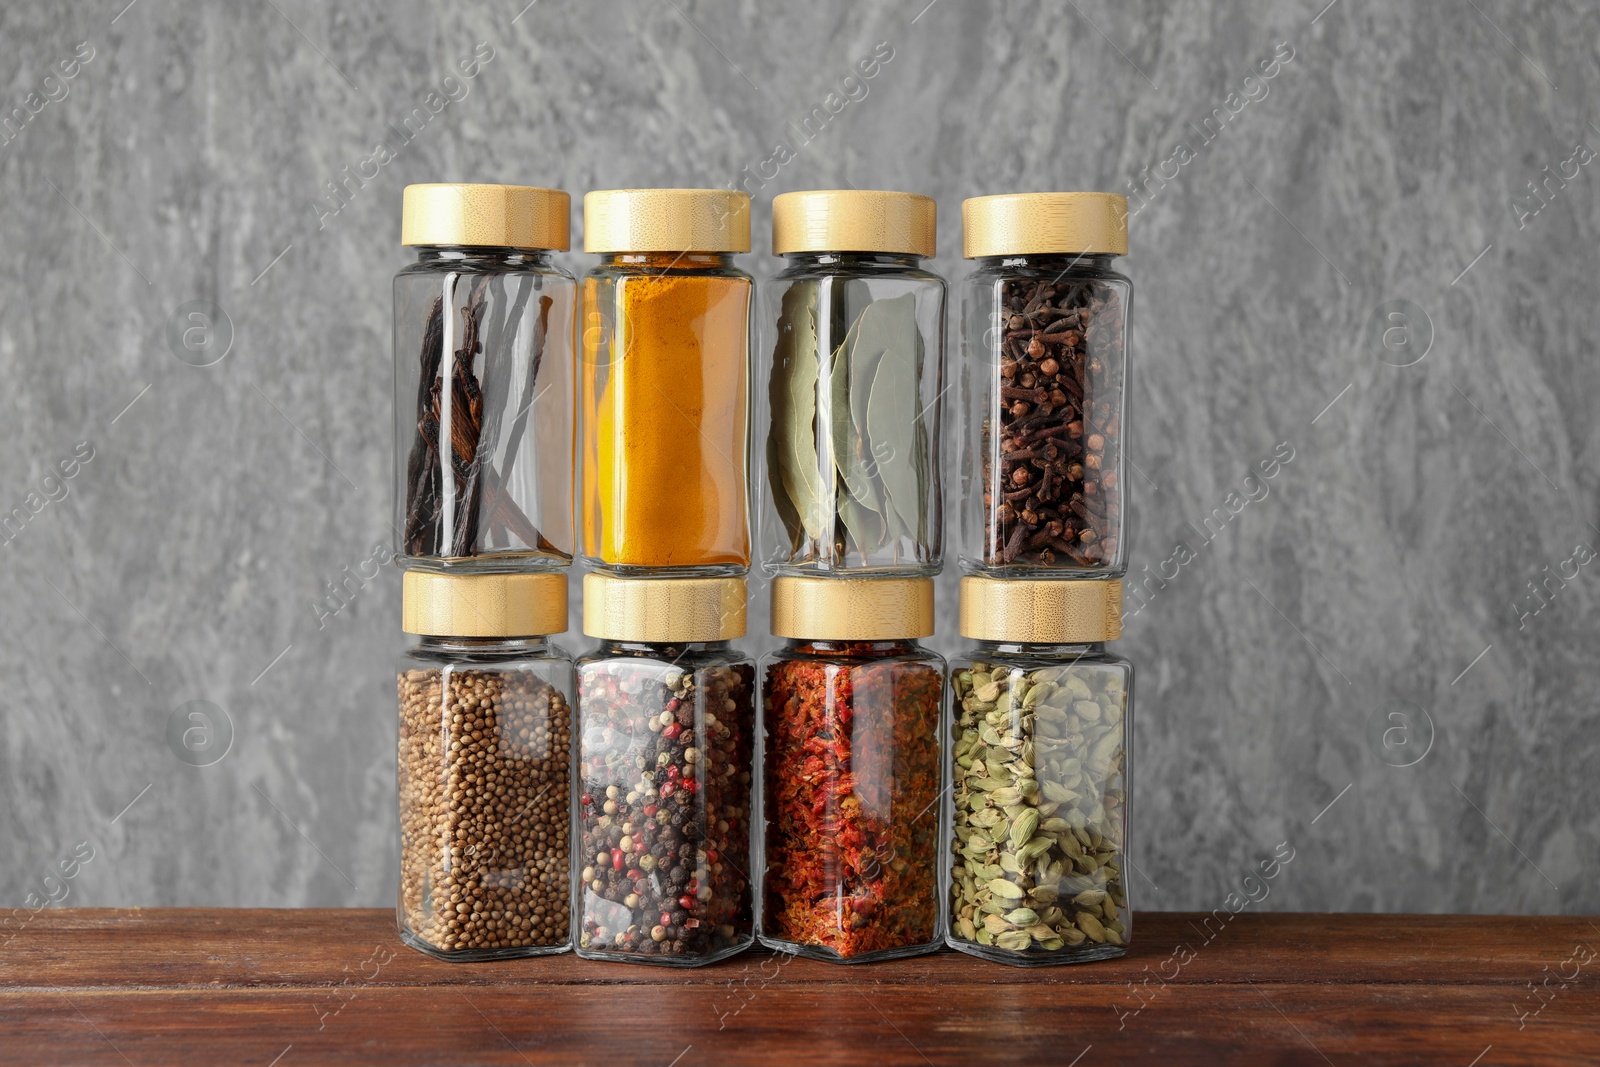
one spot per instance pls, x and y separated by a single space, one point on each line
664 396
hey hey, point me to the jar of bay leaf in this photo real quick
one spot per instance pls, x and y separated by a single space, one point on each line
485 769
1044 325
1041 723
664 382
853 372
484 333
666 738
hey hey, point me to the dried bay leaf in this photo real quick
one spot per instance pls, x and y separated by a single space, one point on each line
782 498
791 442
858 502
892 418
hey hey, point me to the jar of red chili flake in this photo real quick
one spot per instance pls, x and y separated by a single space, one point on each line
665 767
853 770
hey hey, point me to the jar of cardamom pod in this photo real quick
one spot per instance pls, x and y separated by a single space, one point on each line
1044 326
663 385
852 374
485 749
666 727
484 336
1041 718
853 770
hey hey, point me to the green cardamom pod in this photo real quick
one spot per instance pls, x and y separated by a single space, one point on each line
1005 889
1014 940
1023 828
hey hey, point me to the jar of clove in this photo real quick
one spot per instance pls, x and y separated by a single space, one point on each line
1041 716
1044 322
665 725
484 334
664 382
854 333
852 770
485 750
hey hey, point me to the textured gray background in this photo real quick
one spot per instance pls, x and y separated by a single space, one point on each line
185 163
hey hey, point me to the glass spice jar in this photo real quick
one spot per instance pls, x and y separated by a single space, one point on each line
664 382
485 754
665 764
1041 722
494 321
852 771
853 331
1044 322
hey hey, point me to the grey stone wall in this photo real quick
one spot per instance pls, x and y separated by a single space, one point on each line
1373 608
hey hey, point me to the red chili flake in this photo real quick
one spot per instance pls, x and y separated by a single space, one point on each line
852 780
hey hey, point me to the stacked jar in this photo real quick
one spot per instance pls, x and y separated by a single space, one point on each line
665 702
1041 713
484 354
851 536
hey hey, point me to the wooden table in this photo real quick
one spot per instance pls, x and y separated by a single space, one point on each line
286 988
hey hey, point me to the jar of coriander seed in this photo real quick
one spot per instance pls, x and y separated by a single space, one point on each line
1044 328
1041 719
485 766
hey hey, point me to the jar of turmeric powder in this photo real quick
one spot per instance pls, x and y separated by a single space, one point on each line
664 382
852 340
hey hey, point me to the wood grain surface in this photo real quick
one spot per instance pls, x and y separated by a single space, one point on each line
291 987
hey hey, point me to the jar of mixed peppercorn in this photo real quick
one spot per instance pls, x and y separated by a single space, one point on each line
852 770
665 768
1044 324
1041 719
